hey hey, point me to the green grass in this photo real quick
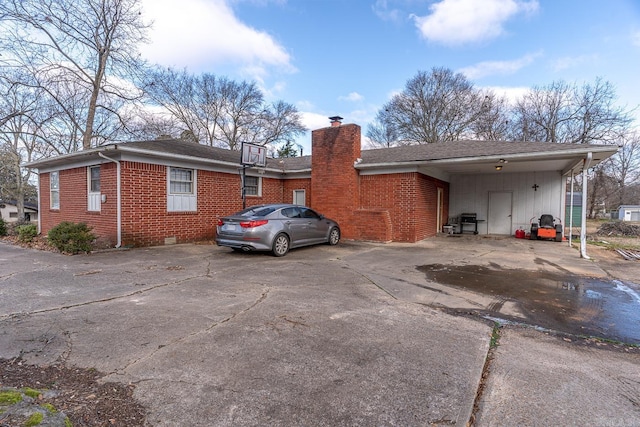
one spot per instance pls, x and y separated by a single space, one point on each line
604 243
495 335
34 420
49 407
32 393
10 397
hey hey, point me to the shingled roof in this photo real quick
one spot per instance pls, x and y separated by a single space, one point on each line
410 154
467 148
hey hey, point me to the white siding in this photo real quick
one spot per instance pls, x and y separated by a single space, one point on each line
470 193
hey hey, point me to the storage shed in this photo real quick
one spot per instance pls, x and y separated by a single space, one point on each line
629 213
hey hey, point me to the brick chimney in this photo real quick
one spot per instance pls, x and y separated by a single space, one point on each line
334 179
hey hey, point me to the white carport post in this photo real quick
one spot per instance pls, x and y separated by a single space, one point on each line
571 212
583 228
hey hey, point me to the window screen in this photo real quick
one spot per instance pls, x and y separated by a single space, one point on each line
251 185
54 187
181 181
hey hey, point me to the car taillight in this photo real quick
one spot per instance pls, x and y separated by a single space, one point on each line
254 223
220 223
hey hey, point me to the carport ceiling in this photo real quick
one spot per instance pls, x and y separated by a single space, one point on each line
514 166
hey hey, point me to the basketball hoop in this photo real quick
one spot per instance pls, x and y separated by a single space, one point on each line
253 155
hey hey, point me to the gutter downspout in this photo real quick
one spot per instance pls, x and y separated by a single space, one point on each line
118 199
40 204
583 228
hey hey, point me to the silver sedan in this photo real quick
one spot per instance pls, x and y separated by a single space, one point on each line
276 228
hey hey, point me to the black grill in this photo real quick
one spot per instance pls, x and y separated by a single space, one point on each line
469 219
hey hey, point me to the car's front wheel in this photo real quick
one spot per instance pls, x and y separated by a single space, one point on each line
280 245
334 236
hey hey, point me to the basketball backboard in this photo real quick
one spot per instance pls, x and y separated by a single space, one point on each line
253 155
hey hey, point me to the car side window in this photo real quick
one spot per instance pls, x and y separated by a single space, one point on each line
308 213
262 211
291 212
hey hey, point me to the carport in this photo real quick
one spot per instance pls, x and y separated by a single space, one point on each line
505 184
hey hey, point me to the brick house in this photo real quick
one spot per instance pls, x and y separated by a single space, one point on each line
169 191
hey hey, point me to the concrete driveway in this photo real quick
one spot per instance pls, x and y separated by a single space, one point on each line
357 334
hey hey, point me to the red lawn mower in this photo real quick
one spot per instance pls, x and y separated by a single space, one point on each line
546 228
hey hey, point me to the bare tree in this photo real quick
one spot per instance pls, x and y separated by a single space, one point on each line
87 45
382 132
493 120
433 107
564 113
20 139
221 112
624 169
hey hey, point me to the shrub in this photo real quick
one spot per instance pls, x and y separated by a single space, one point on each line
72 238
26 233
3 227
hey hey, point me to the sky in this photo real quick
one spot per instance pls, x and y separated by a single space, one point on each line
349 57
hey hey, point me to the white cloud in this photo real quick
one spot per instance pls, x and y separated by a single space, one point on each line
512 94
314 120
635 38
567 62
382 10
464 21
197 34
352 97
489 68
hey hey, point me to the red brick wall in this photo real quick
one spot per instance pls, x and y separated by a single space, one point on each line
334 180
374 225
410 199
146 220
73 202
399 207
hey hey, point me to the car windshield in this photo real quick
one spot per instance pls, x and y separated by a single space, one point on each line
256 211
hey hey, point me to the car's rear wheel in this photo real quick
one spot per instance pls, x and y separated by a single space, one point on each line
280 245
334 236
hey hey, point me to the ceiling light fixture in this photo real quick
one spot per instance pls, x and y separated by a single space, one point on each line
498 167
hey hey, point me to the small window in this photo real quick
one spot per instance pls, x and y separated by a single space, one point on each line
93 195
182 190
252 186
94 179
181 181
54 190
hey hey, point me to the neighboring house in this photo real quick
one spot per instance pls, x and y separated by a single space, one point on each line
9 211
573 206
629 213
168 191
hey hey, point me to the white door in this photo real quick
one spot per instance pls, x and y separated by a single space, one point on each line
499 218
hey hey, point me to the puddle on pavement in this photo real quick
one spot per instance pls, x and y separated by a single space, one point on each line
558 301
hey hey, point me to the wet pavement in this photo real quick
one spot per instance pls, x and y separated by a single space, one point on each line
578 305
